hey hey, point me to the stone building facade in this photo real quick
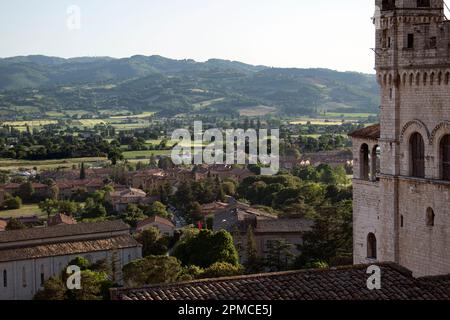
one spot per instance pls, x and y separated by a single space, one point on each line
402 166
30 257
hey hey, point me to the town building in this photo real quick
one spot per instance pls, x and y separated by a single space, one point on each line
402 166
120 200
3 224
69 188
165 226
30 257
237 218
59 219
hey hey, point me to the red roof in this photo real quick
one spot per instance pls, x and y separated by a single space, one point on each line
3 225
69 184
61 219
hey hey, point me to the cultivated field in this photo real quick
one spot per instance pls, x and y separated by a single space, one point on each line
258 111
12 164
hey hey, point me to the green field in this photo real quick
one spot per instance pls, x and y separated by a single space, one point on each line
207 103
31 123
350 115
12 164
25 211
257 111
145 154
320 122
136 116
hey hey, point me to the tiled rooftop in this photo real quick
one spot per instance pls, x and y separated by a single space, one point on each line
346 283
371 132
61 231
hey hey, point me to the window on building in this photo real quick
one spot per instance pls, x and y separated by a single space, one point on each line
5 279
445 157
430 217
388 4
417 148
364 162
375 163
42 275
432 43
402 221
24 277
384 38
410 43
371 246
423 3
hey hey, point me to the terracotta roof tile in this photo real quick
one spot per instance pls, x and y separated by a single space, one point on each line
3 225
62 231
67 248
283 225
346 283
155 219
371 132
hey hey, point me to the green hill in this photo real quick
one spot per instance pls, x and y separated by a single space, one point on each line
170 87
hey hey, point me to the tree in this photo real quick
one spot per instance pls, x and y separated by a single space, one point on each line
222 269
157 209
153 243
331 236
12 203
80 262
93 210
165 163
82 172
95 285
152 270
194 212
132 215
53 289
26 191
206 248
229 188
183 196
115 155
279 256
253 263
14 224
54 191
49 206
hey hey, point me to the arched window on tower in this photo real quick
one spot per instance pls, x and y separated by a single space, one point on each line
375 163
371 246
430 217
445 157
417 149
364 162
5 279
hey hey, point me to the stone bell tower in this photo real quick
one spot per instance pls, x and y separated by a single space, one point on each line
402 171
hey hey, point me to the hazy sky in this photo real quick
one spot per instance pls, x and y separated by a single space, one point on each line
281 33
